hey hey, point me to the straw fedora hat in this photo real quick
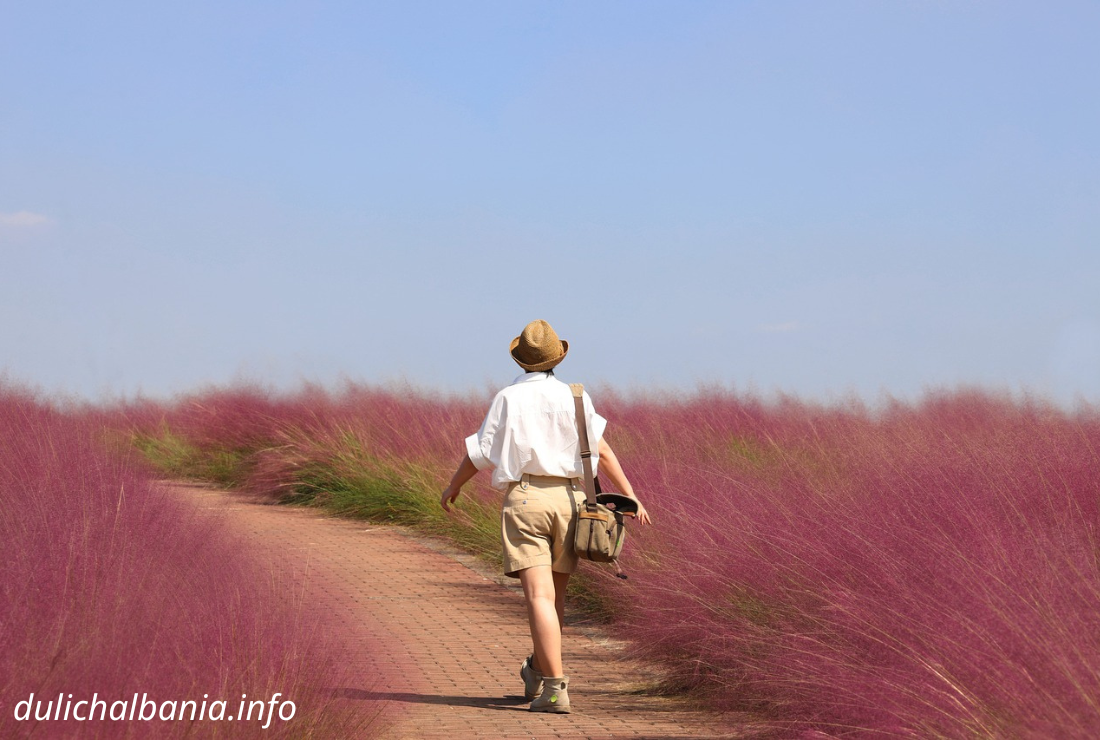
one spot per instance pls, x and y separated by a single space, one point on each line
538 347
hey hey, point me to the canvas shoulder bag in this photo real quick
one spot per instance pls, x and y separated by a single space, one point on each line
601 530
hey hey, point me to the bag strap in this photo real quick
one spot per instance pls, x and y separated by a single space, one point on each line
586 449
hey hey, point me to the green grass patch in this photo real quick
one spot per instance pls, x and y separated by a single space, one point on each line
175 456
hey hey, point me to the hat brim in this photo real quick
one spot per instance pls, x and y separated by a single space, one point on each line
539 366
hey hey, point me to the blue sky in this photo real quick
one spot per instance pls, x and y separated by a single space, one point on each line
817 198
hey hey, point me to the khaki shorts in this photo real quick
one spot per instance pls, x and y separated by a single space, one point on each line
537 523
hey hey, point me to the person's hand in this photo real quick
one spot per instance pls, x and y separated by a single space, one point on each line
448 497
642 516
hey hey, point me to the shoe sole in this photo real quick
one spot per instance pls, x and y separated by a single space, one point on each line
552 710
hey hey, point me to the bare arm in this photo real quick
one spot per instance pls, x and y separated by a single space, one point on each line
464 473
609 466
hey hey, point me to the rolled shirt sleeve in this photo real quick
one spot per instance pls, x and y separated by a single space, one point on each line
477 457
480 446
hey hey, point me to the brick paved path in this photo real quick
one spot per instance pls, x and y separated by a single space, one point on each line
453 637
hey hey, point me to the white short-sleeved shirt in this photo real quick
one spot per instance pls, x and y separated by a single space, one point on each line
531 428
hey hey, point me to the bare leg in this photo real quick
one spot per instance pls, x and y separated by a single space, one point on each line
561 580
545 611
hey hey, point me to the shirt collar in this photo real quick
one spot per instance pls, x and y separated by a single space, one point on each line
529 377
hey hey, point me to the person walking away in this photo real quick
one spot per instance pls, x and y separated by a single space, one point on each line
529 440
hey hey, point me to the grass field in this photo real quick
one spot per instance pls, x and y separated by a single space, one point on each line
914 570
112 585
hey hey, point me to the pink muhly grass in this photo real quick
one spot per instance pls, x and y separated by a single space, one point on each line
112 584
929 572
280 437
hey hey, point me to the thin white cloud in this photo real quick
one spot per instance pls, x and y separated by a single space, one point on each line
22 218
787 326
